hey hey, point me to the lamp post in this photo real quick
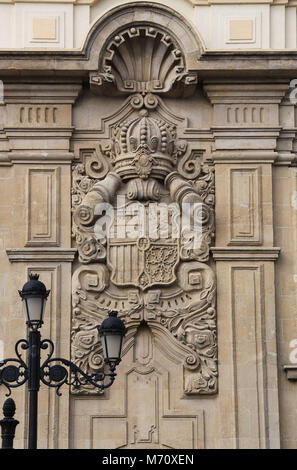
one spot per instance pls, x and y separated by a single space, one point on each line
54 371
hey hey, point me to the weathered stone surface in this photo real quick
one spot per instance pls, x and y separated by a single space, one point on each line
211 330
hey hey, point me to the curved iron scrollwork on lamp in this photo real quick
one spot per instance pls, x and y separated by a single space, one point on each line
55 371
13 376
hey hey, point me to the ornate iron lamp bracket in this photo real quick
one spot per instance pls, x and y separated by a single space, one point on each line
12 375
54 371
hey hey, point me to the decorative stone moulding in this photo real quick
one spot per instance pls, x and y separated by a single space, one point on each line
25 255
291 371
145 146
245 253
143 59
141 54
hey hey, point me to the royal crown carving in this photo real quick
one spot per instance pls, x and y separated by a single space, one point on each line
144 147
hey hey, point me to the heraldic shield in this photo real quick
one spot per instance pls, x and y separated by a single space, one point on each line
143 261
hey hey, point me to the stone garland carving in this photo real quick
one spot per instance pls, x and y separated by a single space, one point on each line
164 281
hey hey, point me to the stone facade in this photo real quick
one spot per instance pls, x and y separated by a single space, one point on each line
139 104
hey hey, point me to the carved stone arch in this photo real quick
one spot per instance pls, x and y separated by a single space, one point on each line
171 42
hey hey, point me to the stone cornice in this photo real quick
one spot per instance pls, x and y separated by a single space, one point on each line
75 2
42 93
65 64
225 93
44 157
25 255
192 2
253 156
246 253
242 2
246 156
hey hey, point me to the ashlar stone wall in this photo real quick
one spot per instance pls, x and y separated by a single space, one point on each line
143 112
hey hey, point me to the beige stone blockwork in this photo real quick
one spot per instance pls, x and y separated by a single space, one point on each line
285 218
244 213
38 121
43 215
240 30
233 127
38 115
252 350
53 411
6 227
166 420
245 206
40 209
54 268
44 28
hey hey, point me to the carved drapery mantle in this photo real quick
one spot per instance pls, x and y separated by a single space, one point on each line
145 159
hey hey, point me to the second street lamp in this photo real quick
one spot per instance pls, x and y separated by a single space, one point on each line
112 332
34 295
55 371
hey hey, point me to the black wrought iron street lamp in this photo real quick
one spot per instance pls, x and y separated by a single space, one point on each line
52 371
34 296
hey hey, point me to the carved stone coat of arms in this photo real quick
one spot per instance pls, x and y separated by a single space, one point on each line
136 198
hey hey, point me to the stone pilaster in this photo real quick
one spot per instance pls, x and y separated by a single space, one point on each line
37 156
246 128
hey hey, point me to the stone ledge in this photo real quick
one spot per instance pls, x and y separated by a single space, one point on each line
291 371
41 94
75 2
244 156
36 157
245 253
242 2
24 255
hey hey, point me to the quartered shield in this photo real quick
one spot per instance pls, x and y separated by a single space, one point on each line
143 262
